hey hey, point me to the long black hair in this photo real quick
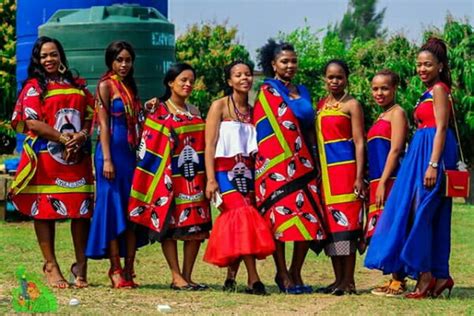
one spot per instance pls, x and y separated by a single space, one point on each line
111 53
227 72
36 70
341 63
171 75
269 52
438 49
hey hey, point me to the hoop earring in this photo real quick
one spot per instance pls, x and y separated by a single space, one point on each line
62 69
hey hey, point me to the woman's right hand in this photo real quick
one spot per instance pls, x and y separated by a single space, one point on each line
211 188
109 169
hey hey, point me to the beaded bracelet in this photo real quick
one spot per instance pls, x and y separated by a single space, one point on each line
63 139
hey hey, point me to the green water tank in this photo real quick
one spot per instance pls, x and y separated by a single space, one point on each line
85 34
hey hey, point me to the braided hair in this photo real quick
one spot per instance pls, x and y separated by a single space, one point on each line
438 49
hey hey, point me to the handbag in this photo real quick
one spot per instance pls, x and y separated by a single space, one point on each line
457 181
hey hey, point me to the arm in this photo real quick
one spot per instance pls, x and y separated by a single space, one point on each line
44 130
399 125
441 112
213 122
357 123
103 104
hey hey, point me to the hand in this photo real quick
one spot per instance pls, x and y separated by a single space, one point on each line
150 105
211 188
70 155
430 177
76 141
109 169
359 188
380 195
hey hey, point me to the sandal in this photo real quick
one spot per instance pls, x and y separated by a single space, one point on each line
77 281
122 283
257 289
382 289
396 288
229 285
60 283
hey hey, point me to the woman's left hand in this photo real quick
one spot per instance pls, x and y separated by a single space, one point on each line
359 188
430 177
76 141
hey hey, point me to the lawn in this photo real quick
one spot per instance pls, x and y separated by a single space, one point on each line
18 246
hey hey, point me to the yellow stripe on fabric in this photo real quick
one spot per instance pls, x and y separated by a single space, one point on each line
329 112
145 171
179 201
45 189
190 128
373 208
340 163
198 152
137 195
159 174
381 137
264 139
26 174
277 132
158 127
338 140
54 92
295 221
329 197
177 175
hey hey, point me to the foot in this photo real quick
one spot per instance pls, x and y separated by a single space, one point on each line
79 275
327 289
229 285
256 288
54 276
396 288
381 290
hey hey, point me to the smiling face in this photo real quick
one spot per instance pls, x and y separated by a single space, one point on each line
183 84
335 79
285 65
241 78
383 91
50 58
122 63
428 68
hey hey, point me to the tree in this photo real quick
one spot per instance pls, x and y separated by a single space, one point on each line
208 48
361 21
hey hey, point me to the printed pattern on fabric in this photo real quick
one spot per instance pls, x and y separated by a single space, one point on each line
286 187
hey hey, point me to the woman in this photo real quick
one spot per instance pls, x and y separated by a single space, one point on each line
286 190
413 234
118 112
54 178
167 193
239 233
385 141
340 132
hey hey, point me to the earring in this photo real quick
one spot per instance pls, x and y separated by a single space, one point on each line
62 69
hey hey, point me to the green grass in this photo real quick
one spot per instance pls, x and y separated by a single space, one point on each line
18 247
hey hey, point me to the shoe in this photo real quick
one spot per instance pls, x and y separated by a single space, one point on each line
422 294
382 289
122 283
58 284
78 281
341 292
129 272
200 287
326 289
396 288
305 289
287 290
187 287
229 285
257 289
447 285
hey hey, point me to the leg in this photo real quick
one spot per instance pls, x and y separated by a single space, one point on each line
45 231
131 245
252 275
80 232
190 250
348 263
115 271
300 249
282 278
337 265
441 243
170 251
233 269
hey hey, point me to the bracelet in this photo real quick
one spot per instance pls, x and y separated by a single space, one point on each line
63 139
84 133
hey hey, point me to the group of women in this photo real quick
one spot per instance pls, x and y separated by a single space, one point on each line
283 170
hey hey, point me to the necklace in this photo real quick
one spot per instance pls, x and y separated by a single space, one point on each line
387 110
178 110
242 117
336 104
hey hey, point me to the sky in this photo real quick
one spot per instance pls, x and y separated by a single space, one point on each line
258 20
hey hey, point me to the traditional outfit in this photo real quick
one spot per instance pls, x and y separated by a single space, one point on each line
111 206
343 210
167 194
286 187
378 145
413 233
239 230
46 186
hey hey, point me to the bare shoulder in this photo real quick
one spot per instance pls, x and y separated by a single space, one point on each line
353 105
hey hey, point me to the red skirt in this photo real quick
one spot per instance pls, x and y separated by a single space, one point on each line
239 232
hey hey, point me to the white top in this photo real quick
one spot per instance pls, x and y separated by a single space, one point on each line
236 138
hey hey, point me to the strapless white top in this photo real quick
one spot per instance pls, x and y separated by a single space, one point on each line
236 138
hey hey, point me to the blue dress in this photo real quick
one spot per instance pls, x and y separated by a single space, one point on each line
109 219
413 234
